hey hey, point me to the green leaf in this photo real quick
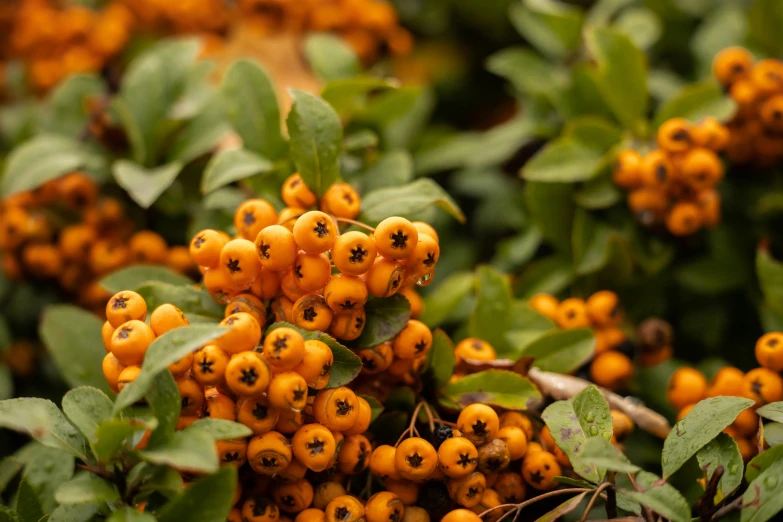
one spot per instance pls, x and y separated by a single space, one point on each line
491 312
772 411
111 436
350 95
346 365
563 509
191 450
385 319
360 140
164 399
770 275
564 160
440 359
549 275
622 70
188 299
330 57
7 515
393 168
598 193
499 388
762 462
211 497
375 406
67 111
773 433
44 422
702 424
250 101
602 454
316 139
722 27
551 210
514 252
408 201
166 349
562 351
228 166
143 185
661 497
527 326
765 17
527 71
74 513
593 243
129 514
641 25
6 383
43 158
573 421
199 136
133 277
72 337
86 407
150 86
554 28
45 470
28 505
594 132
148 477
695 102
722 451
763 499
220 429
87 488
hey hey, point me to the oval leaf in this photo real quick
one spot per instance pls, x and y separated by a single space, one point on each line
86 407
385 319
772 411
221 429
722 451
86 488
562 351
187 451
316 138
133 277
702 424
330 57
491 313
762 461
192 301
494 387
599 452
764 497
563 161
440 359
210 497
661 497
446 297
408 201
696 102
143 185
232 165
44 422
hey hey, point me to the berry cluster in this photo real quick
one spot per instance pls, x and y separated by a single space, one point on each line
55 41
289 260
763 385
674 185
756 130
610 368
65 231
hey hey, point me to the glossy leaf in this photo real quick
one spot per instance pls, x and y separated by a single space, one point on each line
602 454
722 451
28 504
394 168
111 436
553 27
210 497
144 185
696 102
74 513
770 275
565 160
494 387
661 497
330 57
385 319
44 422
232 165
86 408
133 277
166 349
772 411
164 399
221 429
191 450
129 514
764 497
316 139
440 359
87 488
192 301
562 351
73 338
702 424
491 312
763 461
408 201
446 296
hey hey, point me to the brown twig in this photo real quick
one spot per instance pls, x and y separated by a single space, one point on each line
729 508
648 514
611 496
706 503
590 504
447 423
354 223
430 416
519 507
411 429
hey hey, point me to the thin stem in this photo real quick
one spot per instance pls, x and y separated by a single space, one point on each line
519 507
590 504
447 423
726 510
647 511
354 222
412 426
430 416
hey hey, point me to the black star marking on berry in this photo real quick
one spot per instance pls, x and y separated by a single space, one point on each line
321 229
430 260
206 366
342 513
347 197
269 462
120 302
298 271
233 266
200 240
263 250
185 402
316 447
236 309
260 412
249 218
395 515
480 428
464 460
536 477
359 322
261 504
414 460
477 345
369 363
399 239
757 386
280 344
396 281
347 305
249 377
343 408
295 182
288 500
493 464
420 346
325 369
472 492
310 314
231 457
298 395
358 254
231 320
